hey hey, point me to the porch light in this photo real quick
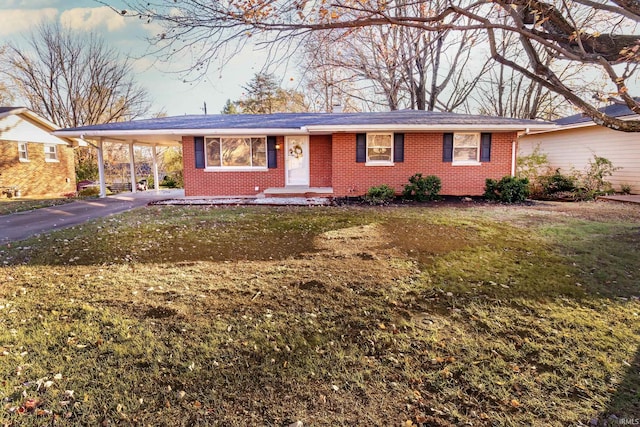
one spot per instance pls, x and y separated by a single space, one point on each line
277 146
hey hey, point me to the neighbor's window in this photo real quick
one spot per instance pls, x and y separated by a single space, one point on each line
379 148
236 152
466 148
50 153
23 152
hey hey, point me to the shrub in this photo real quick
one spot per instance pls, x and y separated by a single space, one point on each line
422 189
379 195
92 191
594 178
533 167
169 182
508 190
625 188
555 183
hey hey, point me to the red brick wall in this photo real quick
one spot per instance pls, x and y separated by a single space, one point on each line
333 164
320 160
37 177
199 182
422 153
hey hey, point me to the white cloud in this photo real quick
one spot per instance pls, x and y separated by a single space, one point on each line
15 21
88 19
26 4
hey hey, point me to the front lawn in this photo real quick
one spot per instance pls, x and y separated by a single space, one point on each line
13 205
395 316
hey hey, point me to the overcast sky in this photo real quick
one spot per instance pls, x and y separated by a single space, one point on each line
169 93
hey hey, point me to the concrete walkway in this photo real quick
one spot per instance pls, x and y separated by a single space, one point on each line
629 198
21 225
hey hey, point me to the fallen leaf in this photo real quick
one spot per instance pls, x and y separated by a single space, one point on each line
515 403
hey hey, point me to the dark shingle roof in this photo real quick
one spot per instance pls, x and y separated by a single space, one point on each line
8 109
298 120
613 110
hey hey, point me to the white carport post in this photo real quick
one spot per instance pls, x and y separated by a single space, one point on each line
154 156
132 168
103 184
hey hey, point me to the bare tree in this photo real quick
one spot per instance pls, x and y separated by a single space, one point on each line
74 79
504 92
5 95
328 87
600 35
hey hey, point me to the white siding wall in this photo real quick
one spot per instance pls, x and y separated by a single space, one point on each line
574 148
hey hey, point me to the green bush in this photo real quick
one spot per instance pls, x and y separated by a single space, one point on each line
534 166
422 189
380 195
508 190
92 191
169 182
555 183
594 181
625 188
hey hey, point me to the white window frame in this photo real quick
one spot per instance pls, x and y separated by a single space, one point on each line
466 162
370 162
54 152
23 157
222 168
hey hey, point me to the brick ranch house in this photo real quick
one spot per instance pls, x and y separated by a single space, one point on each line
330 154
32 161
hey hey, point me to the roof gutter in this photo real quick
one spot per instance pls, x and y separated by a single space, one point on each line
304 130
424 128
176 132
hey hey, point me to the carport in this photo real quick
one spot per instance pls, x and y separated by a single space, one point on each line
97 138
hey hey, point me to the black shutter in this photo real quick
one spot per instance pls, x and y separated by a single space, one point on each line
447 147
272 153
199 148
485 147
398 147
361 147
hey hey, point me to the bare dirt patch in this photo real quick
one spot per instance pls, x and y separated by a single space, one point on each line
424 241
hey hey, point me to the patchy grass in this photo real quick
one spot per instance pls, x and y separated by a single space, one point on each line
9 206
487 315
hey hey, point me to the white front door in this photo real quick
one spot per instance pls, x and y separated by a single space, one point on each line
297 160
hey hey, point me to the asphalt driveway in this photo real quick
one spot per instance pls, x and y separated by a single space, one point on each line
21 225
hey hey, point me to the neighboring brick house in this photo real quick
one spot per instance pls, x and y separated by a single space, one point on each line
32 161
338 154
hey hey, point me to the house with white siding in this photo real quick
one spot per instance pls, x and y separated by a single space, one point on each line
577 139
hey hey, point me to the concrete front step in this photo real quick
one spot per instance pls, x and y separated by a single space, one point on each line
308 192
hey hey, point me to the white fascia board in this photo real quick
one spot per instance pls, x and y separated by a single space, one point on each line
582 125
47 123
133 134
12 112
559 128
426 128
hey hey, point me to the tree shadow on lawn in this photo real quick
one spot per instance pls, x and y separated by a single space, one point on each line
624 405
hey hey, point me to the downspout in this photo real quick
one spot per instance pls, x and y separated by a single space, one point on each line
514 146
